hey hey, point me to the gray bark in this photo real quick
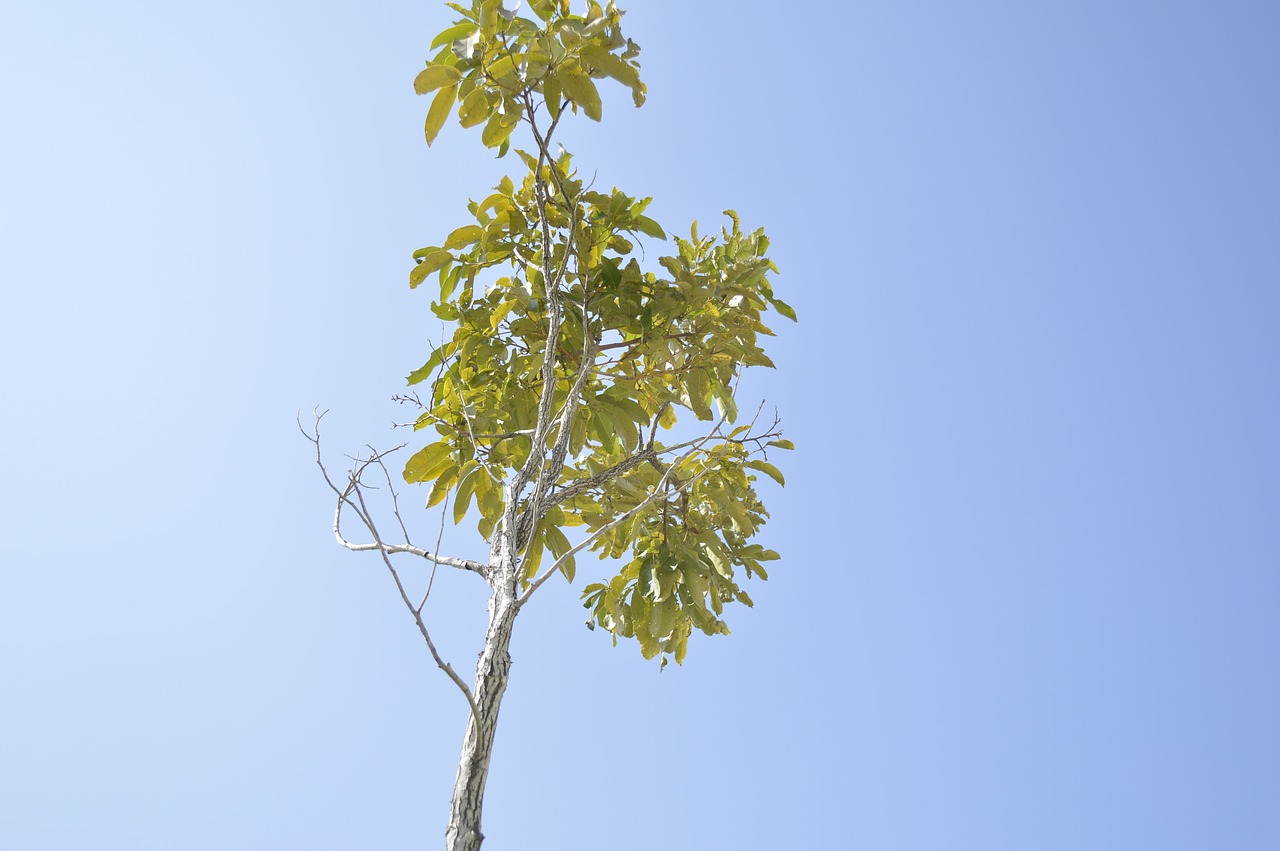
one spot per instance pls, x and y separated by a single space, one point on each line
492 671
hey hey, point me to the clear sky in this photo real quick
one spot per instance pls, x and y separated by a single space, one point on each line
1031 533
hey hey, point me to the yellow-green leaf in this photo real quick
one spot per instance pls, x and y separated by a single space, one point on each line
441 106
649 227
466 488
441 488
463 236
768 469
424 372
783 308
500 313
428 463
452 34
489 499
559 545
433 262
489 16
498 130
474 109
436 77
552 92
533 555
582 91
606 63
504 65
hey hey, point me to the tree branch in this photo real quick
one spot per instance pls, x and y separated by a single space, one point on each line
660 489
353 487
577 486
551 279
416 612
361 508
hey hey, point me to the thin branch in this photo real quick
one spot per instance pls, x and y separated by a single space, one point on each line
652 453
431 581
532 469
660 489
352 496
577 486
550 473
638 340
417 618
447 561
344 500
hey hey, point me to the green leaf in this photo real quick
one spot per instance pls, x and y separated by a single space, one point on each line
649 227
489 498
781 444
783 308
498 130
533 555
489 17
606 63
441 488
581 90
463 236
466 488
436 77
424 372
433 262
452 34
474 109
441 106
768 469
552 92
428 462
724 398
500 313
527 159
697 390
504 65
559 545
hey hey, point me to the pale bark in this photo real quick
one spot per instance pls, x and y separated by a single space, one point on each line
492 671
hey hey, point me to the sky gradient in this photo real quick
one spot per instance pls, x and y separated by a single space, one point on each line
1031 533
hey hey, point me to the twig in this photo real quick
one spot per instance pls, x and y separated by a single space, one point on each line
660 489
344 499
417 618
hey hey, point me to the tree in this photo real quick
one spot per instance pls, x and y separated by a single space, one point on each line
552 409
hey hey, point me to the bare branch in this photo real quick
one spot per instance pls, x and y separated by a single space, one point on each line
345 500
417 618
352 497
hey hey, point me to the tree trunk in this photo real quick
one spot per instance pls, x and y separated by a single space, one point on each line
492 670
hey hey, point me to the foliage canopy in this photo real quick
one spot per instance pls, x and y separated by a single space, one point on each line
554 401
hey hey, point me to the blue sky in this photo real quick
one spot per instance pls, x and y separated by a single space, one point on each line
1030 533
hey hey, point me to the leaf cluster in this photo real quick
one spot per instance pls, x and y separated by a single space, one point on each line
493 60
556 397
